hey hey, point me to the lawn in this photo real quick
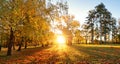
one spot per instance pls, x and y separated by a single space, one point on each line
75 54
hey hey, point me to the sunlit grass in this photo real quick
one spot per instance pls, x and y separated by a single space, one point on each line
74 54
102 45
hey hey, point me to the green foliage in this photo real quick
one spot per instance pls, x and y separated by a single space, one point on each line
100 23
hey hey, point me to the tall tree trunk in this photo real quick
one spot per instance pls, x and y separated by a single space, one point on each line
25 45
1 43
100 30
42 44
105 38
101 39
13 46
9 51
109 38
86 41
116 40
70 40
86 36
20 45
119 39
0 47
112 39
100 33
92 34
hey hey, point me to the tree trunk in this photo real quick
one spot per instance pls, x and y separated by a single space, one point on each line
25 45
70 41
119 39
19 48
105 38
20 44
100 33
92 34
1 44
42 44
116 40
86 41
0 47
13 46
109 38
9 51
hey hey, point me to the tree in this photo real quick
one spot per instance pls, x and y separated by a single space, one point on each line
78 37
104 17
21 17
8 16
85 32
1 32
91 21
113 28
99 20
119 29
29 21
68 26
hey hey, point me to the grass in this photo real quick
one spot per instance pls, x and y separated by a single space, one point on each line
75 54
101 53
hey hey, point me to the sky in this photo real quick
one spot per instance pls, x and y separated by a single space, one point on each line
80 8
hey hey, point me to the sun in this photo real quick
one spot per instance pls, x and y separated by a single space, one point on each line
61 40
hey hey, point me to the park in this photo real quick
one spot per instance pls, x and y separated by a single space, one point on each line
59 32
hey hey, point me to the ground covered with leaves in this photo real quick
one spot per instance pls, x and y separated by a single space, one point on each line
63 54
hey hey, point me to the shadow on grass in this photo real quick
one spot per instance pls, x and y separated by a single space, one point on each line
99 53
64 55
19 55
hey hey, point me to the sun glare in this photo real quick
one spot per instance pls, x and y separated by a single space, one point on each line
61 40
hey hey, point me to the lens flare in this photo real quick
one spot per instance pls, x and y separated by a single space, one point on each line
61 40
